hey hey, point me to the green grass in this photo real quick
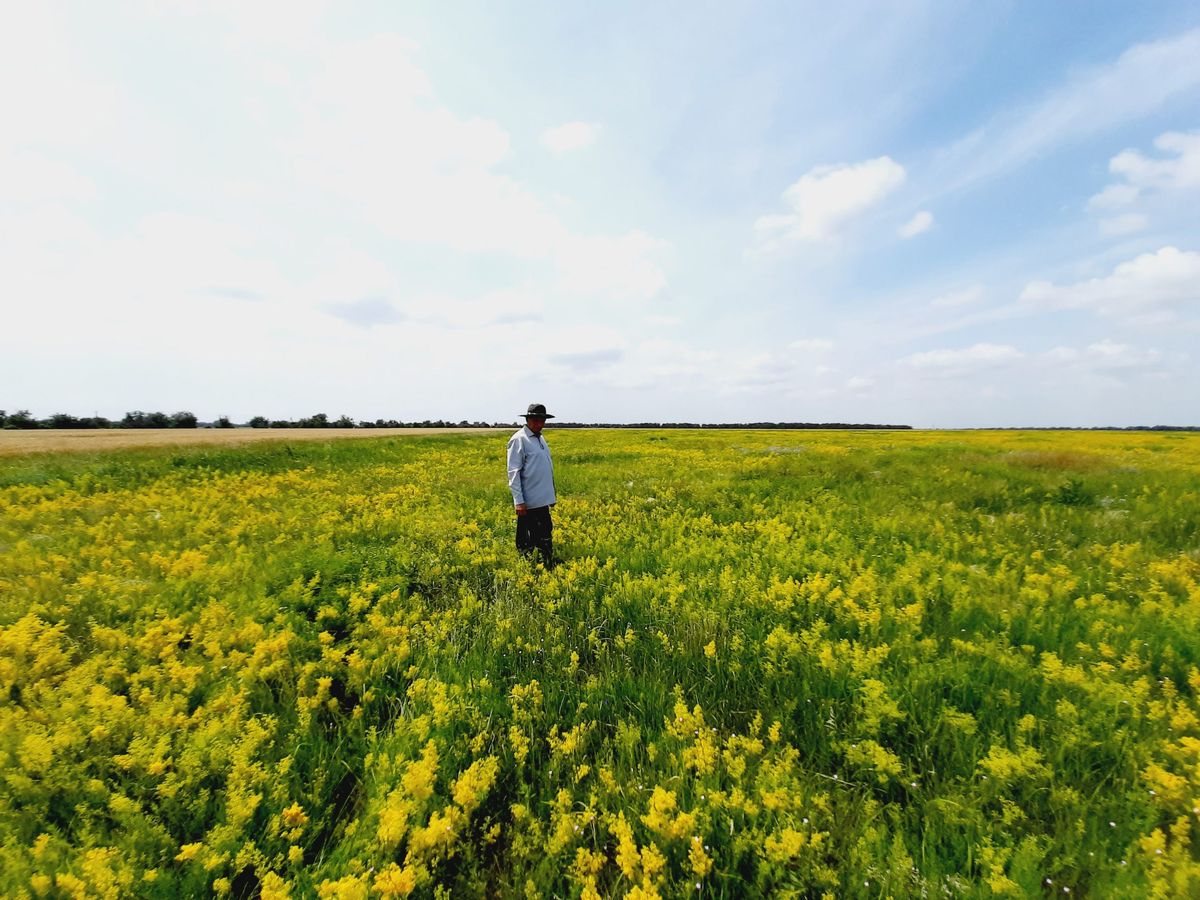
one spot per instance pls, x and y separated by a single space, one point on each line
944 664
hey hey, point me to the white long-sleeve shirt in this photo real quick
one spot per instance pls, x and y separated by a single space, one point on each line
530 469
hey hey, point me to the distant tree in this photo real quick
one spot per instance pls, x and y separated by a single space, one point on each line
260 422
344 422
320 420
224 422
282 423
158 420
62 420
23 420
182 420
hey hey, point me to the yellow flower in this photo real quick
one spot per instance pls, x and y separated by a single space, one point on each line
420 777
393 819
275 887
294 816
653 861
786 847
395 882
473 785
352 887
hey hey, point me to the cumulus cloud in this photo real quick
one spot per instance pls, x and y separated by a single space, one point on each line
1114 197
826 198
860 382
978 356
918 224
624 267
375 135
1162 174
1150 288
1144 174
1107 355
1126 224
571 136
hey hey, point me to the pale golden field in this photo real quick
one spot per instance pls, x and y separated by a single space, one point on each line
16 443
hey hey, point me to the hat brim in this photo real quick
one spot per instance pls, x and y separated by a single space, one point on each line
536 416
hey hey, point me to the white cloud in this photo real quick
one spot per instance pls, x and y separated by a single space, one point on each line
965 297
375 135
1142 79
572 136
1107 356
292 22
668 321
827 197
1162 174
494 308
624 267
1114 197
978 356
1126 224
860 382
29 178
812 345
919 223
1149 288
1146 175
44 91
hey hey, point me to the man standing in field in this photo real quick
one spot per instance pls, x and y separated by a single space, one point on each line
531 480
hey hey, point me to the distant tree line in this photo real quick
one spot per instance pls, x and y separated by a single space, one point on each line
320 420
138 419
23 420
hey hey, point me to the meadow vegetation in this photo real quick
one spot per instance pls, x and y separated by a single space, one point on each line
812 665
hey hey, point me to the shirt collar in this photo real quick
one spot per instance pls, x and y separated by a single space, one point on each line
532 433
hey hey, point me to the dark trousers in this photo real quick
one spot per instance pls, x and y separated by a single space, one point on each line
535 531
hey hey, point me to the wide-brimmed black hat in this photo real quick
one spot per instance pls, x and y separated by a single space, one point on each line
537 410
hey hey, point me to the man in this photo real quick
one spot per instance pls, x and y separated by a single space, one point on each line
531 480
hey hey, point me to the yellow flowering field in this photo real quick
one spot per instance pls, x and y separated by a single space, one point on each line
770 664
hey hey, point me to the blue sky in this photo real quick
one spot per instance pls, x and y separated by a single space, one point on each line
940 214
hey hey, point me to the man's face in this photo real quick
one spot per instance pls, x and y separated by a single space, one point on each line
536 423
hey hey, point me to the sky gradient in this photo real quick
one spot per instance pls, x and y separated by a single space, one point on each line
938 214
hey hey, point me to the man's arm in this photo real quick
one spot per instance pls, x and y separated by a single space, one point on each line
516 462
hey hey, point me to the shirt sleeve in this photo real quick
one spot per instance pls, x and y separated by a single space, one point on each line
516 462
